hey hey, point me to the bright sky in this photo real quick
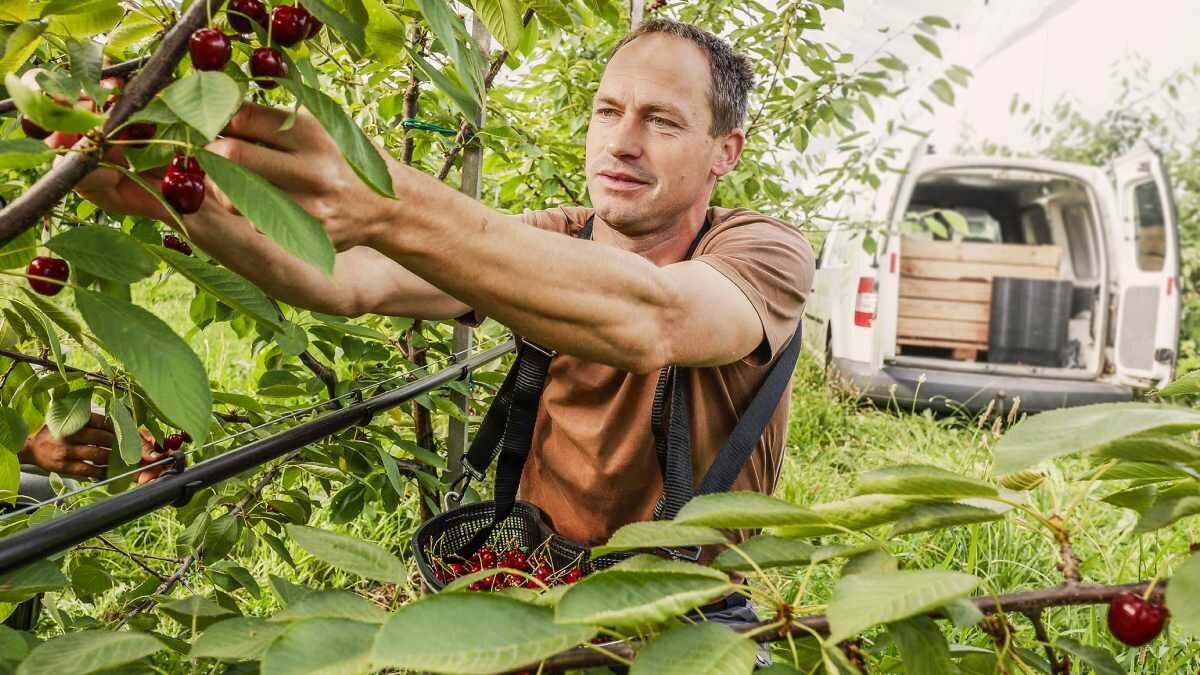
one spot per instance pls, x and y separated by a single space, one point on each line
1040 49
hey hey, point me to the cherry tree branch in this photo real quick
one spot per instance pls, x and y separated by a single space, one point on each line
26 209
1024 602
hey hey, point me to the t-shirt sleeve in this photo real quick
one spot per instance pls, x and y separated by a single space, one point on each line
561 220
772 263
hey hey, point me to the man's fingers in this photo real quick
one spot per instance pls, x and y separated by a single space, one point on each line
91 453
261 124
99 421
90 436
280 168
85 470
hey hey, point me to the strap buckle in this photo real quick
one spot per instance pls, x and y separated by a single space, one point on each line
458 489
549 353
689 553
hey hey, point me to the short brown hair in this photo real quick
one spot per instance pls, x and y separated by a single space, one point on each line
732 76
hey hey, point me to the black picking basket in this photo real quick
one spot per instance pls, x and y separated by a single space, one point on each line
443 535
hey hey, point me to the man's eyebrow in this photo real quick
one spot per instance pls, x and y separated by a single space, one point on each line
655 107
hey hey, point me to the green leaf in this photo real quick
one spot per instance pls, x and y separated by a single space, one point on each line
1141 471
223 284
129 441
505 634
390 468
13 429
637 597
656 533
321 646
469 105
1151 448
271 210
503 19
30 580
460 47
20 45
85 59
921 480
942 89
1099 659
45 112
220 537
349 553
1181 596
205 100
861 601
236 639
56 314
1184 386
198 609
69 412
767 551
936 516
22 153
940 22
23 248
855 513
963 613
105 252
359 151
553 11
88 651
743 510
350 31
162 363
1070 430
1170 506
333 605
922 646
702 649
54 7
928 44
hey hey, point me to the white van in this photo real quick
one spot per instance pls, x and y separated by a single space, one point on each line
993 279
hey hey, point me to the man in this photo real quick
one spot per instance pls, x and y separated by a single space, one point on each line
665 126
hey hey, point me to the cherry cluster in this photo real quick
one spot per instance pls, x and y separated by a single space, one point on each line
287 25
170 445
536 565
183 187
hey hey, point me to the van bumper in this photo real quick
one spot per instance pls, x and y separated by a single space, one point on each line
946 390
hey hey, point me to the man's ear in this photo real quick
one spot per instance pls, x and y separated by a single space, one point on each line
729 149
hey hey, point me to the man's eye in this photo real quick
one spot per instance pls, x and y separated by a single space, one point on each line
662 122
605 112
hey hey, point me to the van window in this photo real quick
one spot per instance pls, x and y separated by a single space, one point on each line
1150 229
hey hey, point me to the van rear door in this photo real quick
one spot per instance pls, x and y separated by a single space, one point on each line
1147 252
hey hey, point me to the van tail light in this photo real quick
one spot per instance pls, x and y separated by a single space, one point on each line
865 302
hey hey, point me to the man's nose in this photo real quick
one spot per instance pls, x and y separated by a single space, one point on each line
625 138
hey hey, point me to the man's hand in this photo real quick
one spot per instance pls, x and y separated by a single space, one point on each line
305 162
83 454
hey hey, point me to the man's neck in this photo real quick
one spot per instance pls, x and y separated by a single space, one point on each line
663 246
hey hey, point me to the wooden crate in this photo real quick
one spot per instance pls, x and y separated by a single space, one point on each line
946 289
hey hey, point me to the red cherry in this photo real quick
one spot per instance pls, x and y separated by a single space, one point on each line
1134 620
267 62
138 131
32 130
187 438
210 49
289 25
574 575
185 164
457 570
183 191
475 586
174 441
314 24
252 9
543 572
176 244
51 268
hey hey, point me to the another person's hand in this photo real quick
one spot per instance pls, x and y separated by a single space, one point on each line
83 454
152 452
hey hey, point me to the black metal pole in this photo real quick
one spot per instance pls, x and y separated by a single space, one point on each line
64 532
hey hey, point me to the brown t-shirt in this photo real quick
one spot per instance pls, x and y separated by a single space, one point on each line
592 467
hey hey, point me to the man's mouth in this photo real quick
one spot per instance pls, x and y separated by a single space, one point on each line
620 180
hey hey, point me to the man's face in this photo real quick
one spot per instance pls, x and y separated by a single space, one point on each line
649 153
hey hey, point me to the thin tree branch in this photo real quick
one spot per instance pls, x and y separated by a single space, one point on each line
121 69
26 209
804 627
412 96
323 373
1039 630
